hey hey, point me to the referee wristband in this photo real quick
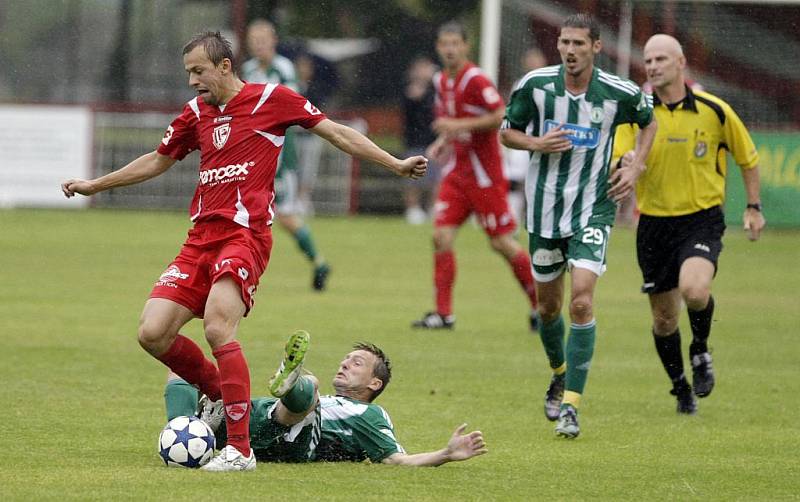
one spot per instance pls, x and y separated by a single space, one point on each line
756 206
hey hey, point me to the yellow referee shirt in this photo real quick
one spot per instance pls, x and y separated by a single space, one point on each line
687 165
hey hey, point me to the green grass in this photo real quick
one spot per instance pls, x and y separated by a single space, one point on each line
82 403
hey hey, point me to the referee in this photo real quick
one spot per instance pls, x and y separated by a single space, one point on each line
680 198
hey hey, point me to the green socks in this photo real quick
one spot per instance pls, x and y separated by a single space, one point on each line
305 242
180 399
580 348
552 334
300 397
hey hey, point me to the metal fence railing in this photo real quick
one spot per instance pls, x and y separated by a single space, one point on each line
122 137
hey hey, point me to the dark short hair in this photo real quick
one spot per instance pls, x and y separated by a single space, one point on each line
383 366
216 46
453 27
583 20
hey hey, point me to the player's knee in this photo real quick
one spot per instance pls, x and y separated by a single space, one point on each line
695 297
442 241
153 337
505 245
314 381
218 332
580 308
549 309
664 323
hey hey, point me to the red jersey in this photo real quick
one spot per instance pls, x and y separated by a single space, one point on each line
477 153
239 144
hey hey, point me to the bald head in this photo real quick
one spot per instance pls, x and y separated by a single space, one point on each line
664 43
664 63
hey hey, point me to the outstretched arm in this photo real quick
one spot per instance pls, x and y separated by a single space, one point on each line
356 144
145 167
460 447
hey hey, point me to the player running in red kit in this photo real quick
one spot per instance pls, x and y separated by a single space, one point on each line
469 111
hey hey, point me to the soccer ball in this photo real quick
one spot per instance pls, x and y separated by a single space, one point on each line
186 442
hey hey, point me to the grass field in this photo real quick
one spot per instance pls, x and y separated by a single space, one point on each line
82 403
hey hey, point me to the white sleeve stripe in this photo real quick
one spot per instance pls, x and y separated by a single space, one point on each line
617 78
474 110
613 79
264 96
437 80
547 71
472 72
611 76
617 85
195 107
275 140
619 82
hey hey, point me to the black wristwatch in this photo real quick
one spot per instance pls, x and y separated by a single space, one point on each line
756 206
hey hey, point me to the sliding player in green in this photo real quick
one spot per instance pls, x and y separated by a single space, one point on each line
298 425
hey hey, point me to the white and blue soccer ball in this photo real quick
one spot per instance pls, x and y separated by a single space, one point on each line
186 442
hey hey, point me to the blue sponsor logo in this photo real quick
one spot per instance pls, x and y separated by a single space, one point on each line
588 137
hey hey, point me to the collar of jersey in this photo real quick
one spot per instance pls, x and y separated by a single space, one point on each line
687 103
561 85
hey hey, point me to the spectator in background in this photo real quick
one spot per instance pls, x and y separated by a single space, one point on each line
516 161
268 67
418 113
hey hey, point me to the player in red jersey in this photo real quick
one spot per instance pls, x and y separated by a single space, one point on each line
469 112
239 129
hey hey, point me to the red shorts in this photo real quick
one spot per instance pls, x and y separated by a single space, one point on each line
458 198
214 249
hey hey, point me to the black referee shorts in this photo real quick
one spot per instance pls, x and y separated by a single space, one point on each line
663 243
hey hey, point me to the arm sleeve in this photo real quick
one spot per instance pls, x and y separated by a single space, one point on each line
438 105
520 110
482 93
296 109
739 141
642 109
180 138
375 434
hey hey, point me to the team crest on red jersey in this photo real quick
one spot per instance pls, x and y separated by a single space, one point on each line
221 135
236 410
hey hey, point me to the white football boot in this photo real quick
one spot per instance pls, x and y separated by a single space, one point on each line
231 459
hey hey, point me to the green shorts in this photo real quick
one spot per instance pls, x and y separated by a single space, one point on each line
287 201
584 249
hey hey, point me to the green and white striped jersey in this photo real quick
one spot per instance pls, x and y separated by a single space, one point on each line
568 191
354 431
281 71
